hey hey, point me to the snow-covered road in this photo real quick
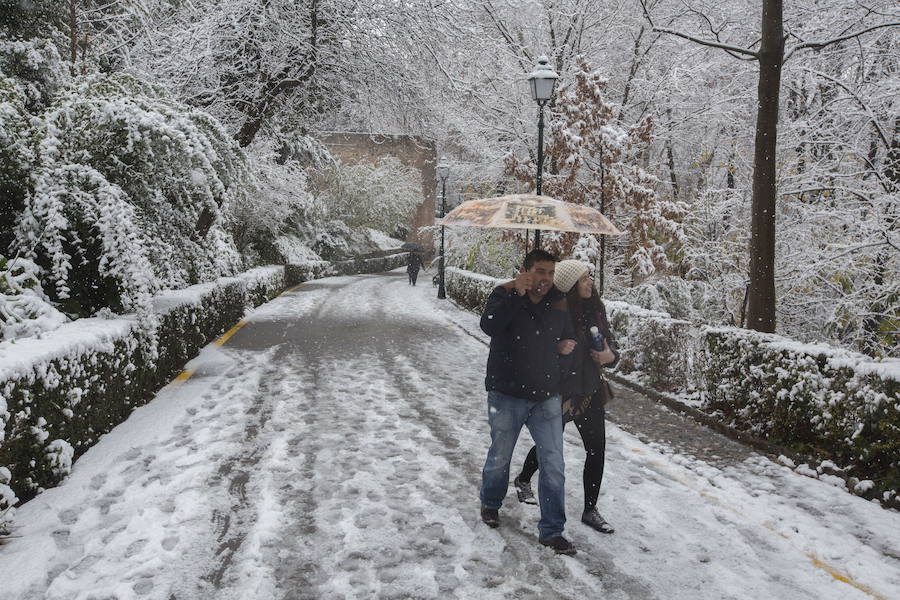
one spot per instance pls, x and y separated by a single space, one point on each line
332 448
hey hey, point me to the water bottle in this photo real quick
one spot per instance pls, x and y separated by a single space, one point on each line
596 339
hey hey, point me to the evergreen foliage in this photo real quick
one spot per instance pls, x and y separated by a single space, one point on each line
108 177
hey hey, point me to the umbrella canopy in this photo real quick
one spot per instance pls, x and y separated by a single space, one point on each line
529 211
412 247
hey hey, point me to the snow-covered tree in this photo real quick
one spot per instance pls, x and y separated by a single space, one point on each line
595 161
382 196
24 308
111 176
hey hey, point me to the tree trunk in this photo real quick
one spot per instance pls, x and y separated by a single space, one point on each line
761 296
670 156
73 31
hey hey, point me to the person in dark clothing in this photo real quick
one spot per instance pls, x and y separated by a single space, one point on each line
413 264
529 331
584 391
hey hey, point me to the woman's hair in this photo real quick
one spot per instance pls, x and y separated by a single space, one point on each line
583 310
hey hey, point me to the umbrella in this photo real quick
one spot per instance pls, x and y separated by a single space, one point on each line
412 247
529 211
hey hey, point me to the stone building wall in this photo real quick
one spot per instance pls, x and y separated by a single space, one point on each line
415 152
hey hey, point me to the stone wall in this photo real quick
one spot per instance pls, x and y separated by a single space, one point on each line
416 152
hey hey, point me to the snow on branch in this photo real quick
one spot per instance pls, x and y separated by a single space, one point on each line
712 44
820 45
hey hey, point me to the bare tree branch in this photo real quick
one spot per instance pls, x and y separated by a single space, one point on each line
855 96
727 47
820 45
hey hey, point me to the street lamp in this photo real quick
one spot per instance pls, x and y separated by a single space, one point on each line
542 80
443 171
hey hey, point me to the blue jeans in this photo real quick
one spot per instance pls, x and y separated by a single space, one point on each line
506 415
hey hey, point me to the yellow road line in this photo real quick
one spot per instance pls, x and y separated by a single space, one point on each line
187 373
844 578
834 572
229 333
184 375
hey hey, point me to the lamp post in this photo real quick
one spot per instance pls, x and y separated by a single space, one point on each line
443 171
542 81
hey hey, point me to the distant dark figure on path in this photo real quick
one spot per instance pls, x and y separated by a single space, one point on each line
530 332
413 264
584 391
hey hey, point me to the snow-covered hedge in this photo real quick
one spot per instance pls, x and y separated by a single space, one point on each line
818 400
469 289
833 405
296 274
60 392
658 348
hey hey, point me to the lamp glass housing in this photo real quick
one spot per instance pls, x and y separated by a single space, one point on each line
443 169
542 80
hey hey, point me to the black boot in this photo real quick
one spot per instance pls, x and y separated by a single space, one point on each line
560 545
592 519
490 516
523 491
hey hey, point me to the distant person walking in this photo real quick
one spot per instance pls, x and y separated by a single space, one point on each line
584 391
413 264
529 331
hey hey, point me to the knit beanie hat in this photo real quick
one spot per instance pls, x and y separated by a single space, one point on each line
567 274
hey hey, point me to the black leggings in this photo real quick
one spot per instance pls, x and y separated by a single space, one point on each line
592 427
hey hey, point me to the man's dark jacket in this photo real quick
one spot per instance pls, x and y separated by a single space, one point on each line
523 360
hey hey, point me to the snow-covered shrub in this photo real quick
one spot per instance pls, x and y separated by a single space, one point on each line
830 403
491 252
36 67
298 273
674 296
16 154
659 349
61 392
59 458
469 289
329 239
383 196
24 308
8 499
109 180
279 203
262 284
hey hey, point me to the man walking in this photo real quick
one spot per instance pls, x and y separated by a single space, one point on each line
529 330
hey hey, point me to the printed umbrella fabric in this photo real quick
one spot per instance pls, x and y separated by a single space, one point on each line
529 211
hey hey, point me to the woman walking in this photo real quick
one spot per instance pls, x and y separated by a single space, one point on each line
584 391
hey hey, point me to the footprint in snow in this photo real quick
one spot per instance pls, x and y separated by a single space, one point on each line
135 547
70 516
97 481
169 542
